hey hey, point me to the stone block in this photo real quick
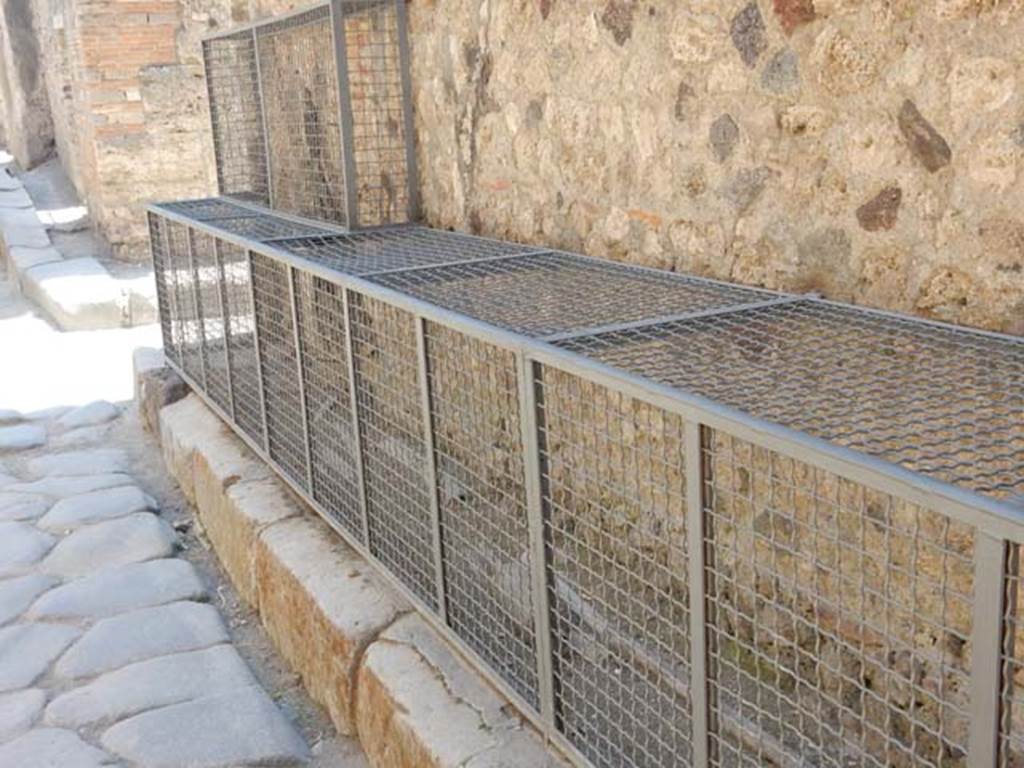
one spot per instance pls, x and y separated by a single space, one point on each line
15 198
20 260
52 747
78 294
156 385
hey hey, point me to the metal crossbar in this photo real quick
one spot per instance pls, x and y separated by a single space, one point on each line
675 521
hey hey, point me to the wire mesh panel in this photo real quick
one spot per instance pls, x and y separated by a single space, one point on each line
1011 730
303 119
265 227
208 209
324 353
190 332
165 286
551 293
480 462
839 618
943 402
236 288
390 413
207 277
236 116
614 497
279 367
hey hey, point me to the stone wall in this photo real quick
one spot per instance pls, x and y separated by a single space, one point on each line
23 96
868 150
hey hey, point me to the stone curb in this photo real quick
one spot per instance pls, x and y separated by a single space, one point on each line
381 672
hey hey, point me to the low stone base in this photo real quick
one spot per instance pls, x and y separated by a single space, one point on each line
378 668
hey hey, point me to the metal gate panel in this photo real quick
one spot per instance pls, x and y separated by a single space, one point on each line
165 285
207 277
241 340
190 330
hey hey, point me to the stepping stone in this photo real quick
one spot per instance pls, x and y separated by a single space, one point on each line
140 635
22 506
79 294
15 198
47 414
22 437
23 259
76 438
7 416
62 487
52 748
133 539
120 589
76 463
19 711
106 504
150 684
25 234
99 412
235 728
27 650
16 595
21 545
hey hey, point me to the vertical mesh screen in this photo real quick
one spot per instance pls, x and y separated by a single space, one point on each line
324 351
279 367
236 116
189 322
1011 727
839 618
165 286
614 497
479 458
391 427
206 273
241 339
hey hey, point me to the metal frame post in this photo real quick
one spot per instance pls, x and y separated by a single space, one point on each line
174 318
428 435
354 402
345 109
225 318
197 304
986 648
259 355
697 574
263 117
293 300
405 65
530 422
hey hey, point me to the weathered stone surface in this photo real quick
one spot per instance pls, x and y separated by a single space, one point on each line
78 294
25 235
684 95
748 34
825 260
723 135
52 748
17 594
74 463
881 211
149 684
156 386
21 545
63 487
70 513
138 635
27 650
99 412
19 711
925 143
76 438
782 72
8 416
15 198
120 589
1017 134
21 260
134 539
22 506
234 728
744 189
617 18
22 437
793 13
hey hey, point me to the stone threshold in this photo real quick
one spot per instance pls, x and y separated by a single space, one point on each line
381 672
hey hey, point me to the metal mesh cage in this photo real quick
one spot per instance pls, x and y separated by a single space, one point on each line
165 285
207 277
236 288
1011 746
189 331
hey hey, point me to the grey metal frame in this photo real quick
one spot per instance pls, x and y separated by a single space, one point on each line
997 523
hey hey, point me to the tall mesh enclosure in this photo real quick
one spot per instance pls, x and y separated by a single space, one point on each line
166 289
1011 747
310 113
189 324
208 280
236 289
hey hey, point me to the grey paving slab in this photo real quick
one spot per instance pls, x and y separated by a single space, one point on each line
22 506
63 487
26 235
19 711
236 728
17 594
21 437
21 545
8 416
74 463
27 650
132 637
9 182
78 294
76 438
98 412
52 748
134 539
108 503
149 684
15 198
121 589
21 259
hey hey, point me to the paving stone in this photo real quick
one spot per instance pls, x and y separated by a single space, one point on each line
134 539
108 503
47 414
17 594
9 182
15 198
74 463
19 711
8 416
234 728
20 260
76 438
22 437
132 637
78 294
22 506
63 487
27 650
52 748
120 589
21 545
25 235
149 684
6 480
99 412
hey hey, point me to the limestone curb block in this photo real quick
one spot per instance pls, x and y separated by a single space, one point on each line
20 260
79 294
15 198
156 385
24 233
381 673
